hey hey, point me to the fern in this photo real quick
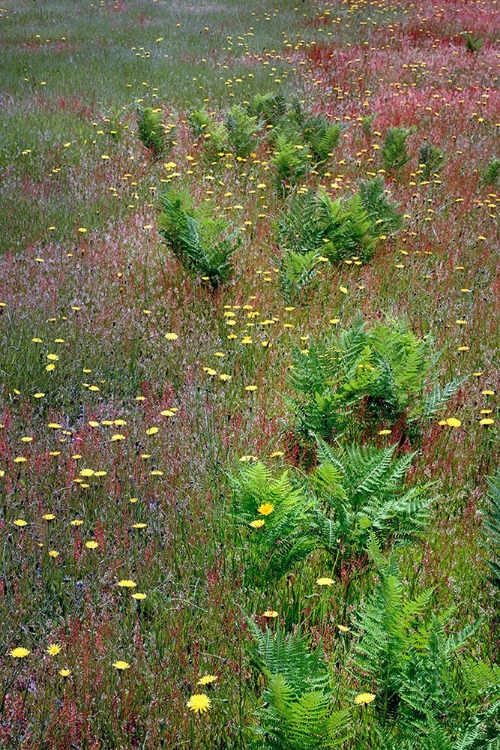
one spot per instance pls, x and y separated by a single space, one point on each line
278 544
382 212
491 172
213 135
200 121
430 160
394 151
355 493
276 653
297 704
340 228
269 108
321 136
290 162
438 398
301 227
360 492
241 129
473 44
388 626
421 680
366 125
204 244
297 272
360 378
491 530
151 130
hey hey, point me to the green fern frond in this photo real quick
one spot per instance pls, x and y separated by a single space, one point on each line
394 151
290 162
296 272
383 212
270 108
491 172
491 530
241 131
152 131
203 244
430 160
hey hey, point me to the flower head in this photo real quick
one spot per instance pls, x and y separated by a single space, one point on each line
19 652
257 524
206 679
265 509
121 665
53 649
363 698
127 583
199 703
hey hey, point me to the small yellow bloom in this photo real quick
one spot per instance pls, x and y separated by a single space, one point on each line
171 336
65 672
343 628
53 649
127 583
152 431
265 509
207 679
53 553
199 703
19 652
271 613
92 544
48 516
325 581
121 665
139 596
117 437
257 524
364 698
20 522
453 422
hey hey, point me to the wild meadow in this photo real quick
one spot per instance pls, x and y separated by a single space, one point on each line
249 286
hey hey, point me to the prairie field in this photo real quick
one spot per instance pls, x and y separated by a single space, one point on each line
249 369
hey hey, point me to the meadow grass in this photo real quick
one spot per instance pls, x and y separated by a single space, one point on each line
117 457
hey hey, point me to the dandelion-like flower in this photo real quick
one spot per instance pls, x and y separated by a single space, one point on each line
207 679
257 524
53 649
265 509
364 698
121 665
199 703
19 652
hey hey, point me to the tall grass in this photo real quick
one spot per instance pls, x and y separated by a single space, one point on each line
160 388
